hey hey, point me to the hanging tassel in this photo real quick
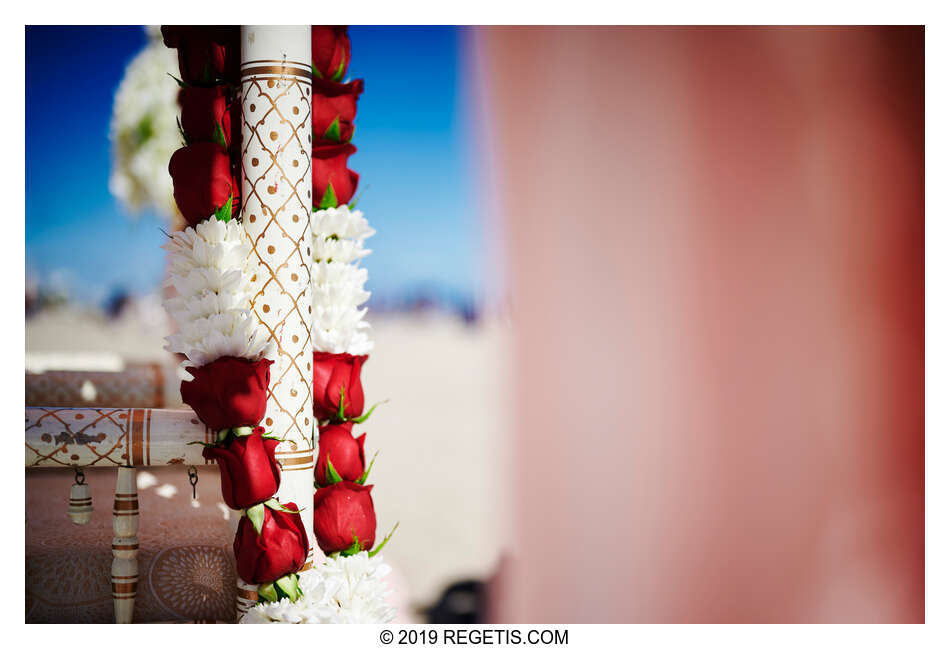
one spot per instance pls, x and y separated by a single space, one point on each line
80 500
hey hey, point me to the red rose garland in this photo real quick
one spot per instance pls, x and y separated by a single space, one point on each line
249 471
205 172
330 51
337 387
334 108
340 455
229 393
333 114
344 519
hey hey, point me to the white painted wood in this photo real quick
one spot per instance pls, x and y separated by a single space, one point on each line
246 597
277 202
80 504
125 545
57 437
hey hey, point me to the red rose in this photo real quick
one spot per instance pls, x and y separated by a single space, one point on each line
334 108
342 511
204 111
333 183
249 472
344 452
228 392
206 53
330 51
333 375
279 549
201 173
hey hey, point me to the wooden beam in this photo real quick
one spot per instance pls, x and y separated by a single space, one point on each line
112 437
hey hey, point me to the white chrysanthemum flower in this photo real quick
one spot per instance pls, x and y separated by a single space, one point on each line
338 235
338 281
214 245
343 590
209 269
339 285
232 333
144 130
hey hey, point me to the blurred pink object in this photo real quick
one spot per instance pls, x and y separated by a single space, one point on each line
716 254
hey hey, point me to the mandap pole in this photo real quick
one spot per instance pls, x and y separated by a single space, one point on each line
276 207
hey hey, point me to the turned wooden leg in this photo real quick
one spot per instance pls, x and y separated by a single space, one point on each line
125 545
246 598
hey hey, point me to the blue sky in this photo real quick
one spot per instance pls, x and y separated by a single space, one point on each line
413 158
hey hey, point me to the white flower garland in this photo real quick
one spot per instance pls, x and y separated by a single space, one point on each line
209 269
144 132
343 590
338 281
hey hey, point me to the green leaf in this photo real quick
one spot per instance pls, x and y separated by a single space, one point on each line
340 415
315 71
356 199
181 84
289 586
329 198
219 135
181 130
362 478
223 213
256 515
356 548
273 503
379 547
364 417
339 71
242 431
268 592
207 75
332 476
333 130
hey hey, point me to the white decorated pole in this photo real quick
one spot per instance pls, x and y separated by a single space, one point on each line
276 207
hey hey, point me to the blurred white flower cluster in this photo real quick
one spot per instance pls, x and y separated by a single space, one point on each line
209 269
343 590
338 280
144 130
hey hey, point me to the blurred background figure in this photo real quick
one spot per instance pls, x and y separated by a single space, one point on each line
715 239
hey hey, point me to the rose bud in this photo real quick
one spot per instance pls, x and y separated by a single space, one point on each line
334 109
201 174
330 51
336 376
279 549
228 392
205 53
333 183
343 451
206 114
342 514
249 471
